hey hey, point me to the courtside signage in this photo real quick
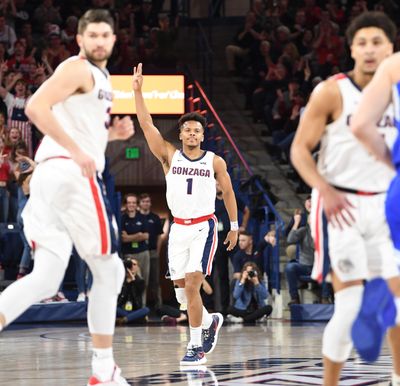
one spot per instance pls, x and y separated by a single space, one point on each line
163 94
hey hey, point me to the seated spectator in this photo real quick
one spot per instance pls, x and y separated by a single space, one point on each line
296 269
130 305
250 295
246 37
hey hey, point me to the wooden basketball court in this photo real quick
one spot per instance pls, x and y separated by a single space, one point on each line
274 353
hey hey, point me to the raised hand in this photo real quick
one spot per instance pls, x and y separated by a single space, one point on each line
137 80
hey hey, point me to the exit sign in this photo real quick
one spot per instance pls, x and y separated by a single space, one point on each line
132 153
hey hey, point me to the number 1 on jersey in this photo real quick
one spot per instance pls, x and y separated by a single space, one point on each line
190 184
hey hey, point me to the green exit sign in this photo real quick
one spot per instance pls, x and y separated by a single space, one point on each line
132 153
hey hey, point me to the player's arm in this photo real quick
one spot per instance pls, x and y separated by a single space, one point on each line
375 99
68 79
324 102
158 146
228 195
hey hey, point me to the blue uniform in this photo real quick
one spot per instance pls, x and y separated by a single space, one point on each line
393 194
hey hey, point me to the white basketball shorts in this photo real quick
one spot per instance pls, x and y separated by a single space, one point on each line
191 248
65 209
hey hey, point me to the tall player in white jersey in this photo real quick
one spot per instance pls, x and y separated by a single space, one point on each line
191 175
67 204
349 185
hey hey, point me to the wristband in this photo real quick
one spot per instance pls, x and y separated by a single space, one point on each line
234 226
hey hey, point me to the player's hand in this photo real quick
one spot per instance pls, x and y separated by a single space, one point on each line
137 80
121 129
231 240
85 162
337 207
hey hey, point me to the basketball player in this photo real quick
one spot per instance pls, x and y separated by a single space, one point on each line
191 175
383 90
67 204
349 186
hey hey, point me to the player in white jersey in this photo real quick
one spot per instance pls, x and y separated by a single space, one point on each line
67 203
349 185
191 175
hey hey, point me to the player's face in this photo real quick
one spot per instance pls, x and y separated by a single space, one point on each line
192 134
97 42
369 48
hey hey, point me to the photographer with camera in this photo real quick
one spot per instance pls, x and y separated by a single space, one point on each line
130 304
250 295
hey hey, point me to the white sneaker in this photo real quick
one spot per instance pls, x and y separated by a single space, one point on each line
81 297
116 380
234 319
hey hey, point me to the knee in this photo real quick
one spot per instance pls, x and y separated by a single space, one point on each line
108 272
337 344
290 268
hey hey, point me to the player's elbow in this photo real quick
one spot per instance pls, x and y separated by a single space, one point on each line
30 110
357 126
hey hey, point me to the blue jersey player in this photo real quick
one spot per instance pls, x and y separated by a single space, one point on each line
383 89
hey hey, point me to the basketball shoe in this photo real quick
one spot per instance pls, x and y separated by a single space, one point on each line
116 380
210 335
194 356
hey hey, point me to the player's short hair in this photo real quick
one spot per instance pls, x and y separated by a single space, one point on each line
192 117
95 16
375 19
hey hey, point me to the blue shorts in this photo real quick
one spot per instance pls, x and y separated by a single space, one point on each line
392 208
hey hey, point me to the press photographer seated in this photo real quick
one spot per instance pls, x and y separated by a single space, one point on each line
249 295
130 305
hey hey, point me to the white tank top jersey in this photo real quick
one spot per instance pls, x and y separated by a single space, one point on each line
343 161
84 117
191 189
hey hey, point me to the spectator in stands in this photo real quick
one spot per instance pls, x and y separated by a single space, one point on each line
56 51
68 35
135 236
19 61
23 174
3 128
145 19
166 55
13 137
245 39
5 173
130 300
155 230
296 269
7 35
247 252
16 103
47 13
250 295
222 256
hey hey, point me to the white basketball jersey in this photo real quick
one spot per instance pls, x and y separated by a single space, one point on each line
343 161
84 117
191 187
